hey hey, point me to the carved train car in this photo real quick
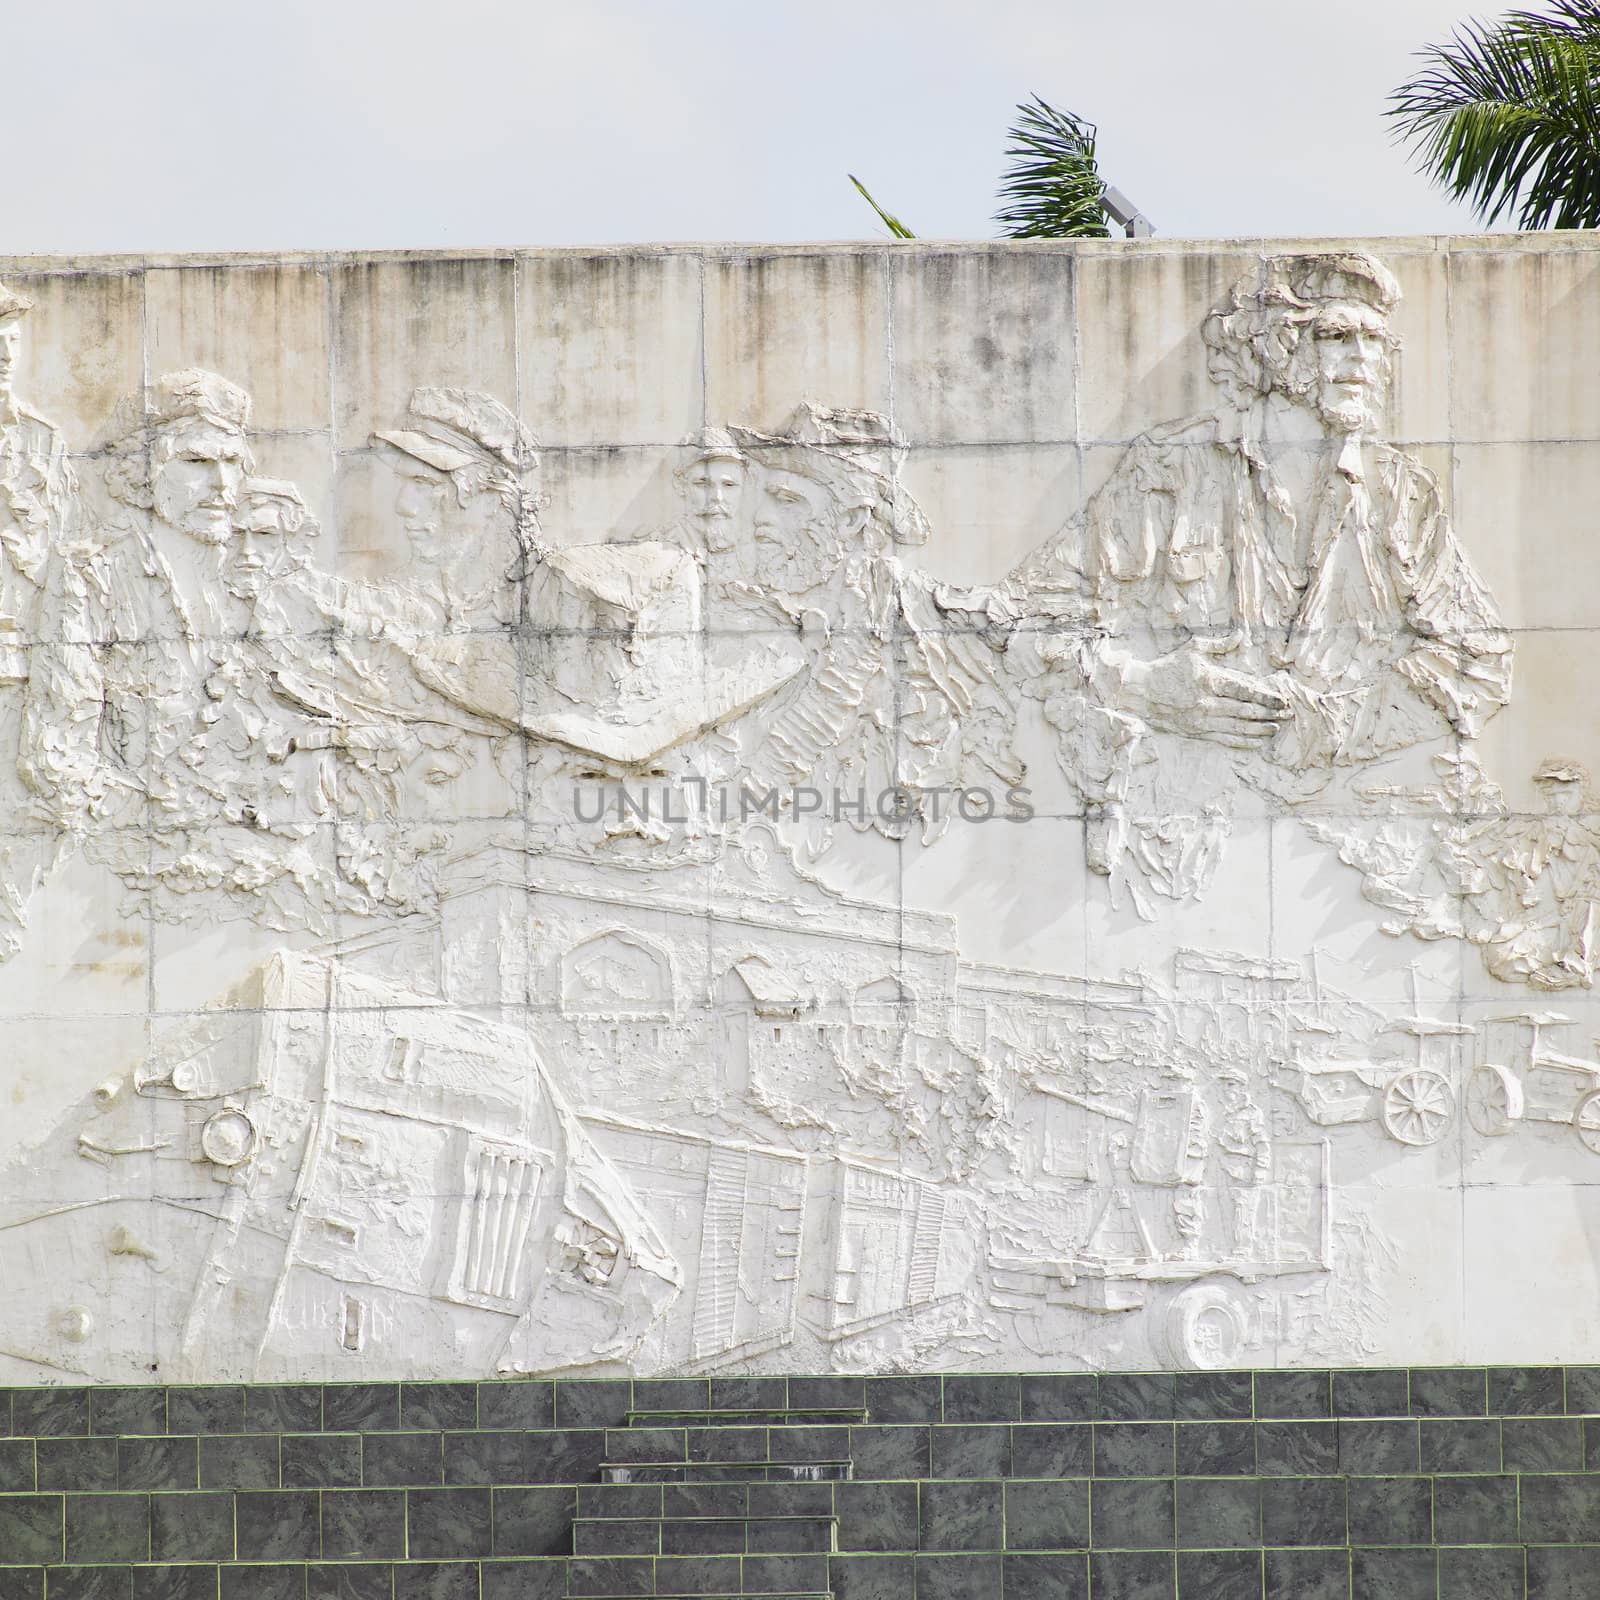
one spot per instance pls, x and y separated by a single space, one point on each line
783 1250
743 1042
325 1175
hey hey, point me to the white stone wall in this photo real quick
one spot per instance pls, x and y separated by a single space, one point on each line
355 1021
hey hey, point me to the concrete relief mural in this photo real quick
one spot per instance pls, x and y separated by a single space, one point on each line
571 1010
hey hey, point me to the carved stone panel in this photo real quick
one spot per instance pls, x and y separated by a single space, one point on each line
982 828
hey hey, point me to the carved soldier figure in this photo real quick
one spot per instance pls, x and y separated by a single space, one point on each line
903 690
467 504
1549 866
1268 592
38 503
713 486
1245 1156
1526 888
158 728
271 542
176 457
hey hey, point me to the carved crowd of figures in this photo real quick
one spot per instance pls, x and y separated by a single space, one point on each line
1263 598
561 1080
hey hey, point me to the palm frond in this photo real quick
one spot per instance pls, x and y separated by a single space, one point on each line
1052 188
1506 116
896 227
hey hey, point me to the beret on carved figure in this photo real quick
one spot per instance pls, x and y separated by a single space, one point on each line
454 428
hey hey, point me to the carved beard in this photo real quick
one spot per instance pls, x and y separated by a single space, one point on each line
810 559
1346 413
716 529
246 586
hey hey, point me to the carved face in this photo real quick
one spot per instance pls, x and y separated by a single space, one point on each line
796 545
422 507
199 471
1562 798
10 350
263 545
464 534
253 557
1194 551
712 491
1351 343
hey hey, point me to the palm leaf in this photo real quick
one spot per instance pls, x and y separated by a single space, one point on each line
896 227
1506 116
1052 188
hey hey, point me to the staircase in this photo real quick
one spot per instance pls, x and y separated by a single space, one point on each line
731 1502
1466 1483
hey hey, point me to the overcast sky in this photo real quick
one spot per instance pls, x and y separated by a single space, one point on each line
354 124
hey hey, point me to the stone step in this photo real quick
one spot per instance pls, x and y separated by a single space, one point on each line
737 1498
611 1577
701 1536
725 1471
728 1417
728 1443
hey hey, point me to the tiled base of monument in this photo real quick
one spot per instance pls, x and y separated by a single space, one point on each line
1467 1483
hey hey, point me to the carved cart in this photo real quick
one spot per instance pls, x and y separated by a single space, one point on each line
1413 1097
1520 1078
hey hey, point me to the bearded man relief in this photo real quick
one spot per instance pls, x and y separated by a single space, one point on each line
1262 595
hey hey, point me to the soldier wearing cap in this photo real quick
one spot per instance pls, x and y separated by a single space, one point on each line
271 543
1266 592
468 502
1546 928
166 730
38 508
175 458
828 502
148 724
712 486
900 700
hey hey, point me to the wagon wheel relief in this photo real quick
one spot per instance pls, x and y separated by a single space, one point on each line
1417 1106
1586 1119
1494 1101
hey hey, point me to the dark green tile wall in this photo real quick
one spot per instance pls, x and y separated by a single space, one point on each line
1429 1484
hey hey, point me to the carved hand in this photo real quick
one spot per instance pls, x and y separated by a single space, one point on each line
1186 692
